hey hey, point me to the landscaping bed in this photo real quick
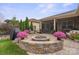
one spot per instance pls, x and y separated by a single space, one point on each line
73 35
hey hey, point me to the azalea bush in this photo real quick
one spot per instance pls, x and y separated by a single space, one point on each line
27 31
60 35
23 34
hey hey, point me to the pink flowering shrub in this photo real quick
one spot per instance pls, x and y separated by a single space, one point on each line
23 34
27 31
60 35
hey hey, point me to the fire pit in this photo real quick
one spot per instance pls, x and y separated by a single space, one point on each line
42 44
40 38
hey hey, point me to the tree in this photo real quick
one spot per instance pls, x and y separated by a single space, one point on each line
5 27
20 24
31 26
14 21
7 21
26 23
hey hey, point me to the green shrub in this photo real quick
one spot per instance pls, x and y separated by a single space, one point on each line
74 36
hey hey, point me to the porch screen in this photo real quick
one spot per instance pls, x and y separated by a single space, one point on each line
67 25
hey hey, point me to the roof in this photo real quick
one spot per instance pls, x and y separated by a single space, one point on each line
71 13
34 20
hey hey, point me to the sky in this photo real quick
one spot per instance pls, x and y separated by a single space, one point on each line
33 10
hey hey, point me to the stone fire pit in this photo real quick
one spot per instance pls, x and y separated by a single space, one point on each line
40 38
42 44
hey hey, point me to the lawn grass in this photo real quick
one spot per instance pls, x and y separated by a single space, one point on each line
7 47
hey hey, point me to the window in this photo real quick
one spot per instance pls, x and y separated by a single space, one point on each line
67 25
64 24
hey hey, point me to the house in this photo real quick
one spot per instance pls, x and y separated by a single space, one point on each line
36 24
61 22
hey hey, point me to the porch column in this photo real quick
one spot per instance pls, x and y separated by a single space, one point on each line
54 24
40 26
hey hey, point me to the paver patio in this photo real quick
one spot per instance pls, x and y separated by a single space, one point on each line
70 48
